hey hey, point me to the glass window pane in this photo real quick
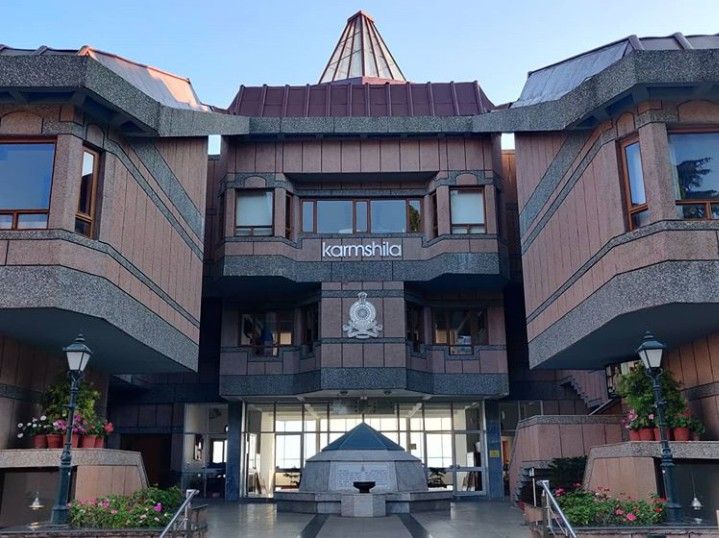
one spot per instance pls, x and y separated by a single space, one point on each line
695 157
25 175
82 227
467 416
414 213
388 216
468 449
439 450
88 168
508 416
334 216
635 175
467 207
254 209
31 221
361 216
692 211
529 408
437 417
288 453
5 222
308 210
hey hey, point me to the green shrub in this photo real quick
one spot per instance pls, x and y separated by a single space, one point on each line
567 472
150 507
588 508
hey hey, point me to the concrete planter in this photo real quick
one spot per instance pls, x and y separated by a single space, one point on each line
81 533
647 532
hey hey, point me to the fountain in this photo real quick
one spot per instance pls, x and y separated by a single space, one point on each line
389 480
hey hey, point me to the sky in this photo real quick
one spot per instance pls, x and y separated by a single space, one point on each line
220 44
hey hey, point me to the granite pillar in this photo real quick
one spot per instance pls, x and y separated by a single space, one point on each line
495 481
233 470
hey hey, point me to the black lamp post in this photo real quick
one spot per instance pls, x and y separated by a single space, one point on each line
650 351
78 355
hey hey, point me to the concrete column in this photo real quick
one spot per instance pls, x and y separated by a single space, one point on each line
280 209
657 171
495 481
233 467
490 210
443 210
66 176
230 217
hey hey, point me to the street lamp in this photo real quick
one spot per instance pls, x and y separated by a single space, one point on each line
78 355
650 351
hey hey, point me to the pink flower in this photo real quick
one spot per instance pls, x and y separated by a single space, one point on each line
113 511
651 416
631 517
157 507
108 427
619 512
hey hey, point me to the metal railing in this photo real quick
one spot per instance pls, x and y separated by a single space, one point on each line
554 519
183 523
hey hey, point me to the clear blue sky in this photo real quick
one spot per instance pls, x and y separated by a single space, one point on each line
221 44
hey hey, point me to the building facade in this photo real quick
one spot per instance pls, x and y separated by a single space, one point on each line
361 250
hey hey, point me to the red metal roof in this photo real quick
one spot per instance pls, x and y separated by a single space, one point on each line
361 55
362 100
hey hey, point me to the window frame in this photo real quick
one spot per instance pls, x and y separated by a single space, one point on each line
707 203
629 208
90 218
252 229
368 201
15 213
281 315
468 226
415 344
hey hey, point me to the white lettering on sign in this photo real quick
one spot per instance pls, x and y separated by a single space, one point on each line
372 249
344 474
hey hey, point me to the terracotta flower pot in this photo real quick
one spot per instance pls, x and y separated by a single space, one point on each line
657 434
634 435
75 442
88 441
646 434
39 441
54 440
99 442
681 434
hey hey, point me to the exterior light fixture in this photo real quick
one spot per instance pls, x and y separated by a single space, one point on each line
650 352
78 355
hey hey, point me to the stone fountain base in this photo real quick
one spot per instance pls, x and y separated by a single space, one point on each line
333 502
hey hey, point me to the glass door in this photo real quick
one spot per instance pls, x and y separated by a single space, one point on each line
468 470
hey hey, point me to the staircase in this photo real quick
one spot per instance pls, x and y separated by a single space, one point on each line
590 385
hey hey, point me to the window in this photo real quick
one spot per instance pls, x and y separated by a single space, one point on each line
461 329
267 331
435 219
310 325
254 213
85 216
636 199
467 211
218 451
288 216
695 157
25 181
415 326
362 216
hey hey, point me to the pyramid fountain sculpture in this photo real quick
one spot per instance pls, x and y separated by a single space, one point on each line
363 459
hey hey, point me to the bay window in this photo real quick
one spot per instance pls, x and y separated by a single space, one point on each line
25 182
381 216
634 194
460 328
695 162
254 213
466 208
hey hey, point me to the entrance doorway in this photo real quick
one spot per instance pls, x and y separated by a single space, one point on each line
449 438
155 450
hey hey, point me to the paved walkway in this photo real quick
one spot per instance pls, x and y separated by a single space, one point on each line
482 519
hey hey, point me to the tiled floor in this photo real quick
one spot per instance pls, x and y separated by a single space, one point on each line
485 519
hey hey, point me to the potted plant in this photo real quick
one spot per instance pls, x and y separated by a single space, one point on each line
55 434
696 428
680 426
36 429
632 424
78 429
107 429
92 427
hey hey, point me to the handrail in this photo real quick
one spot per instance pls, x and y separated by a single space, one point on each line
554 513
184 510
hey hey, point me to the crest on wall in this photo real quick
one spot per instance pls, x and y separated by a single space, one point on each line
363 319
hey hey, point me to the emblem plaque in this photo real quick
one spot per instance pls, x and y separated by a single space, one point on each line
363 319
